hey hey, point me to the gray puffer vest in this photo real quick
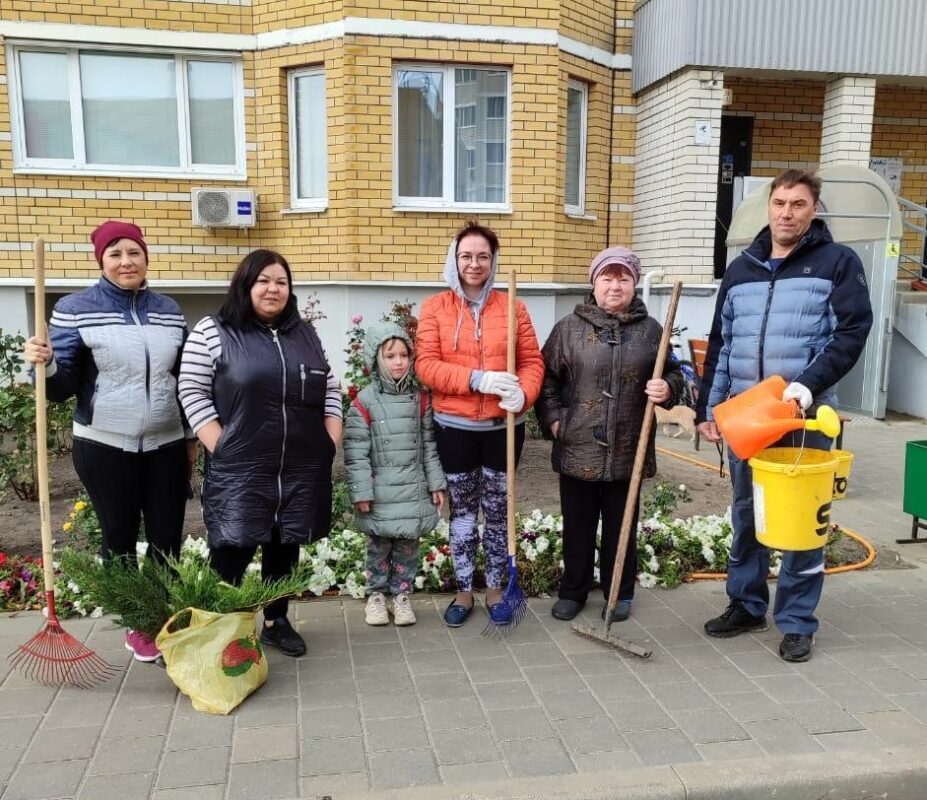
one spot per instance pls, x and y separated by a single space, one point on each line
597 366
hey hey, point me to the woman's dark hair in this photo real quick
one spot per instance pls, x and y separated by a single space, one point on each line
474 228
237 310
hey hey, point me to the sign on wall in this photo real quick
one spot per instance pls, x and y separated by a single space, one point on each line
889 169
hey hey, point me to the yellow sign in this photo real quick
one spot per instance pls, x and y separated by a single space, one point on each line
893 249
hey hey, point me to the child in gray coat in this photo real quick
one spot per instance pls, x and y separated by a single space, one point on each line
394 475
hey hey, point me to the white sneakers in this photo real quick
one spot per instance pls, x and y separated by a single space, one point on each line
402 610
376 610
378 614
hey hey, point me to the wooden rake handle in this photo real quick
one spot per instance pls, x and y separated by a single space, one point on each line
41 427
509 416
640 456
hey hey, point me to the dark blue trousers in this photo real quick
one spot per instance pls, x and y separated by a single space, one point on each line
801 576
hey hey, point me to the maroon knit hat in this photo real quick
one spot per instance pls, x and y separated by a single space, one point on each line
108 232
615 257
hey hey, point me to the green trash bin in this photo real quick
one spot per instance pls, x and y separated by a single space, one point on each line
915 488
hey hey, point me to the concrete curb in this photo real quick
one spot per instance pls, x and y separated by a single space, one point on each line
897 773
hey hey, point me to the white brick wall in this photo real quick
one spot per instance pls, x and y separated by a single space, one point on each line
676 179
846 130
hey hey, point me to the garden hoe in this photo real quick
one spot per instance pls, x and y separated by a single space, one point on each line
634 489
52 657
514 596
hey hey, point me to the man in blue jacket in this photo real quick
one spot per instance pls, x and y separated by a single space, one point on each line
795 304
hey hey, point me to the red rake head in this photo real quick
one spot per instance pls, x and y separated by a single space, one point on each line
55 658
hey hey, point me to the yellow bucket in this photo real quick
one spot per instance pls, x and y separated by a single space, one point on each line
844 465
792 494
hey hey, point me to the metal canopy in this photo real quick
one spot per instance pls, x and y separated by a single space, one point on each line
862 213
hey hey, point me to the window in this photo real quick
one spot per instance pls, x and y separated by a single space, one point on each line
466 116
308 140
450 160
113 112
577 104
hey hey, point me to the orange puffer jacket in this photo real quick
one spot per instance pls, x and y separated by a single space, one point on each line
445 366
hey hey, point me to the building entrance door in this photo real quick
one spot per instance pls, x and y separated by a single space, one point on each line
733 162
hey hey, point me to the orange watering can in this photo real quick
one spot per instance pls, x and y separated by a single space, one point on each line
758 417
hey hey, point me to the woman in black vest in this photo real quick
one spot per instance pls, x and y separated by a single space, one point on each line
258 392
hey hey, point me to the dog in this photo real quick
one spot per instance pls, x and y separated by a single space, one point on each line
681 415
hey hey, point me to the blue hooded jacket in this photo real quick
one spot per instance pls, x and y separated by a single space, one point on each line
807 320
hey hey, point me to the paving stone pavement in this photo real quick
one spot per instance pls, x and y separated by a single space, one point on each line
370 710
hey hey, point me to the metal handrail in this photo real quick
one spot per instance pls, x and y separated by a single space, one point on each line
910 266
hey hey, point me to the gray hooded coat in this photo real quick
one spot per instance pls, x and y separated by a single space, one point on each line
390 454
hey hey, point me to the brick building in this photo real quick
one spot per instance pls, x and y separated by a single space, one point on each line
368 130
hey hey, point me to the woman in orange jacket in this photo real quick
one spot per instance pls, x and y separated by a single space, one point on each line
461 357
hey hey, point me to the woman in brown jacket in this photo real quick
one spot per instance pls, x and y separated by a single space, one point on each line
599 361
461 357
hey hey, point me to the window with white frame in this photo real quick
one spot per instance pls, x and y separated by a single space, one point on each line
451 137
308 139
109 111
577 105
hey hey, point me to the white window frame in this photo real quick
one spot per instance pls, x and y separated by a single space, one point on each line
77 165
446 202
579 209
304 203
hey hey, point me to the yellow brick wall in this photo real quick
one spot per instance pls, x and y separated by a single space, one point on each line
69 220
577 240
589 21
150 14
272 15
781 139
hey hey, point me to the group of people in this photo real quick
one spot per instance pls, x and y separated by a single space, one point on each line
253 385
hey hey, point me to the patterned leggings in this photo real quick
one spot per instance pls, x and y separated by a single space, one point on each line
469 490
391 564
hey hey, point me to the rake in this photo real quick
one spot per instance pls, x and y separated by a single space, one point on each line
624 535
514 596
52 657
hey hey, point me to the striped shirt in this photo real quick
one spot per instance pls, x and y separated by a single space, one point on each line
201 353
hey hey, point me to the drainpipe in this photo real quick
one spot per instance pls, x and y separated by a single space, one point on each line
648 279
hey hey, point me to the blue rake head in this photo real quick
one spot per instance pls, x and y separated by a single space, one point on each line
511 609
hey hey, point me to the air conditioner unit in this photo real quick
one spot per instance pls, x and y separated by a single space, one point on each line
224 208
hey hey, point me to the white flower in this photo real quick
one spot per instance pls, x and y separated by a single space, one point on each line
96 613
73 587
354 586
318 584
420 582
682 487
440 558
646 580
708 554
141 548
254 566
542 544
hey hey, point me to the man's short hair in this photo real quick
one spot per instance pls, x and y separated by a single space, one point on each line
794 177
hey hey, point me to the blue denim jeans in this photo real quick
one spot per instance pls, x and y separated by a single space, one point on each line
801 576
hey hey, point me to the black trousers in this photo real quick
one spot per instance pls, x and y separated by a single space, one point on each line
277 561
583 504
124 487
464 450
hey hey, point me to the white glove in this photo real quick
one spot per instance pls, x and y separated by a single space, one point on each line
799 392
513 401
499 383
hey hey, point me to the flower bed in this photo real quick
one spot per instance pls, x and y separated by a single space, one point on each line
669 551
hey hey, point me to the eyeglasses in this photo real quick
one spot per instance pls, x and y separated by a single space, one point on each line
483 259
